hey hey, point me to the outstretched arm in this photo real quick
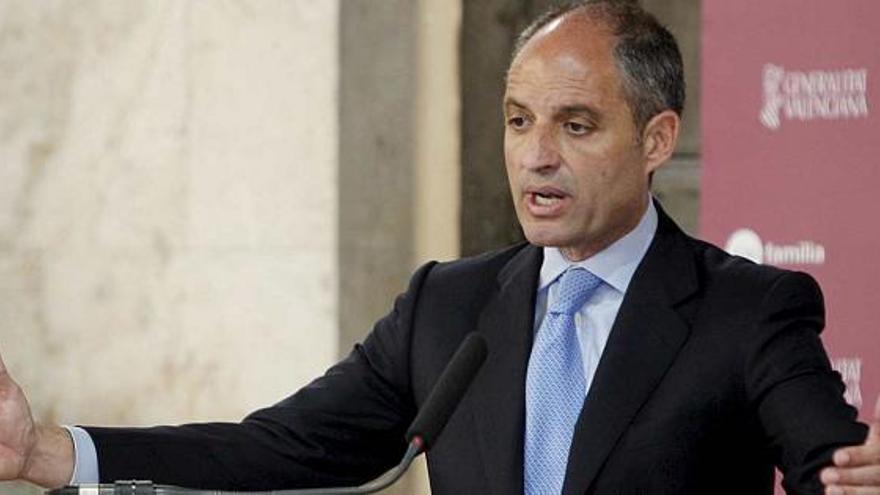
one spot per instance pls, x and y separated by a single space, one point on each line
37 453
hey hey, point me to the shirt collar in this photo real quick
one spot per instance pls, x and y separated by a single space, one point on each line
616 264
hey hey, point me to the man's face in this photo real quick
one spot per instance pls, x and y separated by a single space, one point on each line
577 173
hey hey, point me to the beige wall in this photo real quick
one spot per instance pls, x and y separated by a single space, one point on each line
168 205
438 139
438 152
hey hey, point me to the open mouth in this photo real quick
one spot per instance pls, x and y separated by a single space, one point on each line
545 201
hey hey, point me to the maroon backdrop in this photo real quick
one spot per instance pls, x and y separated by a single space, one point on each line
791 147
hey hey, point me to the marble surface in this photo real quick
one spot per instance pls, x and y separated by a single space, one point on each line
168 205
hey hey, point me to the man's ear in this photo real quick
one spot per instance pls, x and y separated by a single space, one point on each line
659 139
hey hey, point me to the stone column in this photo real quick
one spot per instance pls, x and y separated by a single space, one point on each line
399 168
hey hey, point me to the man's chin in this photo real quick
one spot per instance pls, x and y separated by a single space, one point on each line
544 238
571 246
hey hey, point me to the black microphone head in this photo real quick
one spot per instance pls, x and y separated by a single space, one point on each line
448 390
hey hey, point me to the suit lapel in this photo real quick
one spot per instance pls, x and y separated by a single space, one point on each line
644 341
499 392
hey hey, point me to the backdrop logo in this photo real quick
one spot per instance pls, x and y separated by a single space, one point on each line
850 369
748 244
805 96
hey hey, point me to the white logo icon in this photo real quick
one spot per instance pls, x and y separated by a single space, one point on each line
746 243
772 96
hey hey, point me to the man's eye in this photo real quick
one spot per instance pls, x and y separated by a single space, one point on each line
517 122
577 128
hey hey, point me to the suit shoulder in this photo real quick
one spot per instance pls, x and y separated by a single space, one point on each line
751 280
465 279
474 270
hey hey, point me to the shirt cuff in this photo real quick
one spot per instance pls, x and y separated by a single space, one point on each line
85 467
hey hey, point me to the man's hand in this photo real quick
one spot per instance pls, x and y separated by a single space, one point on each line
39 454
856 470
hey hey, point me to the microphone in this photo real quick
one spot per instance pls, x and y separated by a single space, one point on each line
421 435
448 391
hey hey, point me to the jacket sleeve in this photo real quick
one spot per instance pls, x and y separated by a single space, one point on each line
344 428
791 385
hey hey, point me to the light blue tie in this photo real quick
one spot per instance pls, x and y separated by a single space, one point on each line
555 385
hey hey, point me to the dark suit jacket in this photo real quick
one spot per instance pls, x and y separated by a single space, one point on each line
713 373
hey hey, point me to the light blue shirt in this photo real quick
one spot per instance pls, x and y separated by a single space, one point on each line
85 467
615 265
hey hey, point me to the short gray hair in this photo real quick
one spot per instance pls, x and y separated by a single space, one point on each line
646 53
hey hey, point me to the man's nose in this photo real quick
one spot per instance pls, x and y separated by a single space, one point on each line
542 152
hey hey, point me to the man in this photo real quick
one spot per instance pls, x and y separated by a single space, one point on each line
625 357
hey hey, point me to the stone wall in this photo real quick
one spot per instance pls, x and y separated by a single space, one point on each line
168 205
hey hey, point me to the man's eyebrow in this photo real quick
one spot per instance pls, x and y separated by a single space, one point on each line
587 110
511 102
576 109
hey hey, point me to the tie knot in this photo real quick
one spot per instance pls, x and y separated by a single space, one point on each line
575 286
